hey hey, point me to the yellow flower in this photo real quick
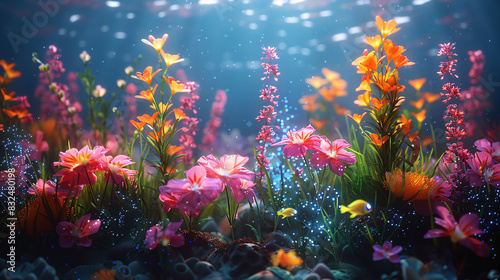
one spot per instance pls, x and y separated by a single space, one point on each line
170 59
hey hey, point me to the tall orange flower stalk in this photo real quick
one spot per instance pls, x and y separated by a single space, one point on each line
381 98
159 127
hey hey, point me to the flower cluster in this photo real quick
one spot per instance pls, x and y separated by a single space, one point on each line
206 181
485 165
161 129
10 111
79 168
60 101
190 123
333 154
455 117
267 114
328 88
381 97
210 130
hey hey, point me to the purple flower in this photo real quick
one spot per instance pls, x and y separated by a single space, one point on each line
387 252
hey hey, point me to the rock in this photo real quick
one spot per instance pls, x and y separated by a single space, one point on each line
240 260
278 240
264 275
312 276
182 271
203 269
323 271
191 262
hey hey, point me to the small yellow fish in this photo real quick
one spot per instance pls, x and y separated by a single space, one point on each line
288 212
357 208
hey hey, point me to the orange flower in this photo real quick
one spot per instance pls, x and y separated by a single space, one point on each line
173 149
365 85
308 102
10 73
363 99
431 98
157 44
8 97
418 104
148 95
419 116
316 82
373 41
162 108
357 118
402 61
147 119
146 75
412 136
137 125
340 110
170 59
331 93
330 75
174 86
427 141
386 27
406 124
392 51
376 139
16 112
379 103
179 114
416 186
318 123
388 84
417 84
370 62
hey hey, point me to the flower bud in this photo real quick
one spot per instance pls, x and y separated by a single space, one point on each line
121 83
99 91
129 70
52 88
71 111
85 57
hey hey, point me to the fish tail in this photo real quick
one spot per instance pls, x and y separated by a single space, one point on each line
343 209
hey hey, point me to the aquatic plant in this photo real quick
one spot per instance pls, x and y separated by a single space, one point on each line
382 100
455 129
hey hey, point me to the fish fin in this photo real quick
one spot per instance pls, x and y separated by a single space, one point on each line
343 209
352 215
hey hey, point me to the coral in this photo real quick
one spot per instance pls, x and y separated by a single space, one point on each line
38 269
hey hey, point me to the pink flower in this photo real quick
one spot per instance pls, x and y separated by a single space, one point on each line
77 233
460 232
387 252
189 193
333 154
245 190
229 170
36 148
81 165
49 188
155 235
482 170
491 148
298 142
115 172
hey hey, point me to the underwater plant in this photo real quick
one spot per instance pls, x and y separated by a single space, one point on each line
382 100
